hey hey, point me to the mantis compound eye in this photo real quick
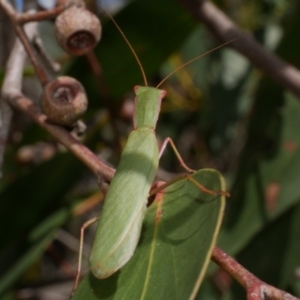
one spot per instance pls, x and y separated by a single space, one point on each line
77 30
64 100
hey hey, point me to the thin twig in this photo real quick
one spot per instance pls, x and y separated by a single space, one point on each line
14 77
104 92
221 26
50 65
12 84
255 288
11 13
98 167
22 18
5 119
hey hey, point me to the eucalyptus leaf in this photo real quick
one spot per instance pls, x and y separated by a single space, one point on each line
179 232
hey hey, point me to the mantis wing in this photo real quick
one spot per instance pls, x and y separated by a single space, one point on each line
179 232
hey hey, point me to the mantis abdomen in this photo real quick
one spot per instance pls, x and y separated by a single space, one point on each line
123 212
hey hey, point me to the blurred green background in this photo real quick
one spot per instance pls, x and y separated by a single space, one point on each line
221 112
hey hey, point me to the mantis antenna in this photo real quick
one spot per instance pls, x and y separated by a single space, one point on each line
193 59
174 71
129 45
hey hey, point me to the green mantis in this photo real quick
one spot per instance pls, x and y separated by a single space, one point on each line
125 204
123 212
120 224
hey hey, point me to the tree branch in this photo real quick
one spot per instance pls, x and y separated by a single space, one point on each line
255 288
224 29
11 92
12 15
12 84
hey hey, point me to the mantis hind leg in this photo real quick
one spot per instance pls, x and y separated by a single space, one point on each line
82 229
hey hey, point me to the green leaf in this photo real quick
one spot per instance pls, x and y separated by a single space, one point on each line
257 210
179 233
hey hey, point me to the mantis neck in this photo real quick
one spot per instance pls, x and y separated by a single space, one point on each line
147 106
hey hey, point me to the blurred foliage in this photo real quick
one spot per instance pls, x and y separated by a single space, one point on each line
221 112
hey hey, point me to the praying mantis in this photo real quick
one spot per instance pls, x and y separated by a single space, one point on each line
126 200
125 204
119 227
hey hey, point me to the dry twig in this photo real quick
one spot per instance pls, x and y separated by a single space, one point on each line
11 92
255 288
